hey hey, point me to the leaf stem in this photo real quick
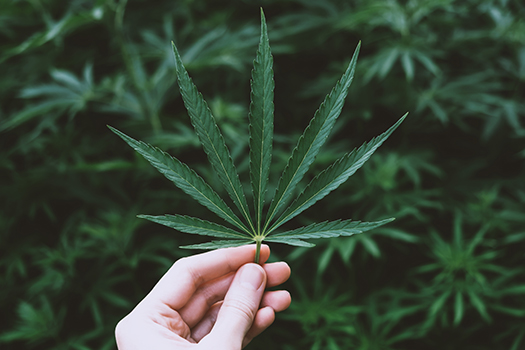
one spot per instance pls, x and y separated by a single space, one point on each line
258 241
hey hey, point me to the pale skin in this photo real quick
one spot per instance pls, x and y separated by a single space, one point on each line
216 300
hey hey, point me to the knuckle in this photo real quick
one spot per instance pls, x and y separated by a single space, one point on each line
209 294
242 308
184 267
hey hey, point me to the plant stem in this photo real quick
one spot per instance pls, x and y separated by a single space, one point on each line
258 251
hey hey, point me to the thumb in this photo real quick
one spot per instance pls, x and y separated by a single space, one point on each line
239 308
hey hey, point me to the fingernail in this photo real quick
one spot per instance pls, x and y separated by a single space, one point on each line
251 277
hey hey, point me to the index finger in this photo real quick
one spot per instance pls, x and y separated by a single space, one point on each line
180 282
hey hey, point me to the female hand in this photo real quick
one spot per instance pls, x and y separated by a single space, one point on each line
216 300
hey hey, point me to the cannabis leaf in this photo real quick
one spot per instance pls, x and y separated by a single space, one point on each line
248 229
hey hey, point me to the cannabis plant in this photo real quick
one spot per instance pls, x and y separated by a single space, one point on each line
254 226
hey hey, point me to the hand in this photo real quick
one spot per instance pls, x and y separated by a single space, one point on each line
216 300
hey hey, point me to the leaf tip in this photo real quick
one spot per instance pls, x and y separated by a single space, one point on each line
263 23
178 59
357 48
401 119
115 131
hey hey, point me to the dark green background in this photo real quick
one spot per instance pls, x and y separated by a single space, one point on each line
447 274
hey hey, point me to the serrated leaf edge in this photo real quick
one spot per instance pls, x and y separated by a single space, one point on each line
193 225
295 209
336 102
262 79
222 210
227 172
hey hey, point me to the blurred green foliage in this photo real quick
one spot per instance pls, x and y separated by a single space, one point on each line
447 274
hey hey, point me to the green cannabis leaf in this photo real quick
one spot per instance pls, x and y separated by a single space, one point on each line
248 228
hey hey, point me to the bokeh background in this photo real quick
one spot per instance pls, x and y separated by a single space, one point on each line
447 274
